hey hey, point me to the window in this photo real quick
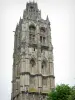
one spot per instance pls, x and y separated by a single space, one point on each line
32 65
42 29
41 39
32 33
32 29
31 7
32 62
43 67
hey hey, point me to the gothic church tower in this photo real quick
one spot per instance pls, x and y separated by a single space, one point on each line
33 69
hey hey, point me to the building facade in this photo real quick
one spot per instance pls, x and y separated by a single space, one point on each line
33 69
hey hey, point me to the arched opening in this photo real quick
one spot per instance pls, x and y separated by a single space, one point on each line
32 65
32 29
42 37
43 67
42 29
32 62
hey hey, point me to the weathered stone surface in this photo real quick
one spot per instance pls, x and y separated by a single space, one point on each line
33 69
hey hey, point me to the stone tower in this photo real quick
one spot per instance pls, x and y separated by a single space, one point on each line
33 70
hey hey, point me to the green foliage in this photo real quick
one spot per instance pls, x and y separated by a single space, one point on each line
52 95
72 96
61 92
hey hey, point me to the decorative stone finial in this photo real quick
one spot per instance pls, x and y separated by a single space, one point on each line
47 18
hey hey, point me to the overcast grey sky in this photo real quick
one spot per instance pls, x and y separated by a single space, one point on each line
62 17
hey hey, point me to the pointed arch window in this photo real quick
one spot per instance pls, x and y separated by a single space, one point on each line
32 29
42 29
32 62
32 65
44 65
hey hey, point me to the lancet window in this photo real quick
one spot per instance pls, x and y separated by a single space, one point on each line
32 65
43 67
32 29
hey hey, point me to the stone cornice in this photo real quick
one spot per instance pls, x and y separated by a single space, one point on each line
28 73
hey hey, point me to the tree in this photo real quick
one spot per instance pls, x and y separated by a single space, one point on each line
61 92
72 96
